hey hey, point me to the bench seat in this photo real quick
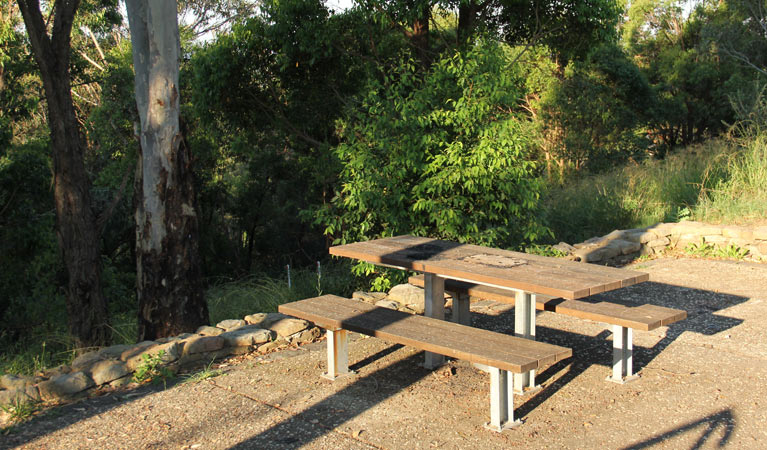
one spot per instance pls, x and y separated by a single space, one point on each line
623 318
501 353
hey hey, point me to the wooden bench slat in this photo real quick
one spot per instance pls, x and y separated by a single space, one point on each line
645 317
458 341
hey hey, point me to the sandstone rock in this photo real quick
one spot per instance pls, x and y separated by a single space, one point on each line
269 346
64 386
662 242
288 326
613 249
369 297
391 304
265 320
11 396
310 335
255 319
170 352
231 324
86 360
762 247
136 349
588 255
630 247
716 239
105 371
760 233
564 247
641 236
738 232
408 295
206 330
247 336
203 344
120 382
56 371
614 235
114 351
17 381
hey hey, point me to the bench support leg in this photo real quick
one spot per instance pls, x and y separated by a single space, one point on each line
501 401
338 354
524 327
434 307
461 309
623 355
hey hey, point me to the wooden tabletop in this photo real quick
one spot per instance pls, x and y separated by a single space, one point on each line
494 267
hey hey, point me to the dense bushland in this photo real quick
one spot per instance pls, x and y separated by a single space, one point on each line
309 127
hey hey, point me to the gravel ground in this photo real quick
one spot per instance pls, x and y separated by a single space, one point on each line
703 384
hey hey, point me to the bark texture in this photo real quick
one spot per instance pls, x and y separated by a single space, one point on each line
75 221
169 287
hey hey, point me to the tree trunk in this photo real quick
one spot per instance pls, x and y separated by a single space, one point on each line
75 221
169 287
419 37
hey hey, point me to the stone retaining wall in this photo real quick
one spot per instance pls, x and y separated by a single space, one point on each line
658 238
114 366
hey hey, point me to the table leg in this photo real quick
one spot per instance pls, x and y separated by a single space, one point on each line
524 327
623 355
461 309
434 307
338 354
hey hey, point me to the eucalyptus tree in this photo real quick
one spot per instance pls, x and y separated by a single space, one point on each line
76 223
169 290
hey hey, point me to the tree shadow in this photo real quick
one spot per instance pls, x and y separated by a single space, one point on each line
724 419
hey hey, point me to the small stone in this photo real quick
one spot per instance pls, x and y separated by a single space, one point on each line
64 386
388 304
247 336
369 297
288 326
203 344
231 324
269 346
207 330
105 371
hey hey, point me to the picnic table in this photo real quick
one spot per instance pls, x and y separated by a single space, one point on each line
525 275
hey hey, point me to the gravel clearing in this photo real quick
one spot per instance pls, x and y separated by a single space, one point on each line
703 384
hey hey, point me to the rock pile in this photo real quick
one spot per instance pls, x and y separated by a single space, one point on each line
657 238
114 366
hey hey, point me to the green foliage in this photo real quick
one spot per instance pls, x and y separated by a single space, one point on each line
20 410
635 195
438 154
706 250
152 369
592 118
544 250
205 374
701 249
263 293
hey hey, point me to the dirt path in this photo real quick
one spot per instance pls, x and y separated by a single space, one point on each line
703 384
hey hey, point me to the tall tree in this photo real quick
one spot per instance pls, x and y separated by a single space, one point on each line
168 264
75 221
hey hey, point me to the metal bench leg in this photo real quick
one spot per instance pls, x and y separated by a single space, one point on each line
501 401
461 309
434 307
524 327
623 354
338 354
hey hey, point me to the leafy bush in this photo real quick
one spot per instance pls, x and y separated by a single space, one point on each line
438 154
